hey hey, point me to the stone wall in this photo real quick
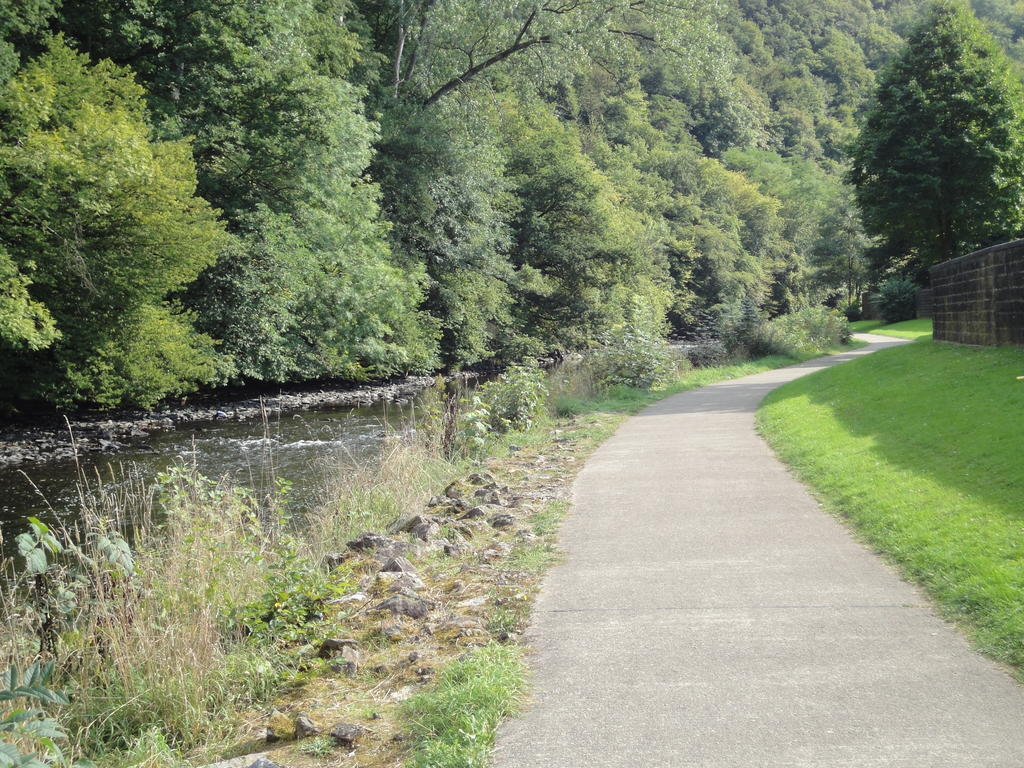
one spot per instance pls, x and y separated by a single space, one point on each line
924 302
979 298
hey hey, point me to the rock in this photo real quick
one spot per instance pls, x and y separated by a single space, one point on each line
480 478
347 734
368 541
474 514
472 602
398 565
407 582
334 646
355 597
453 548
437 501
262 762
304 728
502 521
280 727
453 491
462 626
334 559
426 531
405 606
487 496
406 524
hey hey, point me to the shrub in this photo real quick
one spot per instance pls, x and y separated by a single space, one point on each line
806 331
706 353
514 398
897 299
739 329
634 355
852 311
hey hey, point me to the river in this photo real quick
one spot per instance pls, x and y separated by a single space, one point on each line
299 447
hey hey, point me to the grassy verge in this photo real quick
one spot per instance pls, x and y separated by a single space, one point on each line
908 329
920 448
453 724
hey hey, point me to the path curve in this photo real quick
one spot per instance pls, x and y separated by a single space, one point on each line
709 613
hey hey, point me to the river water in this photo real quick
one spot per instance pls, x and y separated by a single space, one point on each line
299 447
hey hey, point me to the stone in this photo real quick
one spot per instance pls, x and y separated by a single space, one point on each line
368 542
262 762
407 523
453 491
405 606
304 728
437 501
334 559
398 565
474 514
502 521
407 582
487 496
347 734
355 597
334 646
453 548
426 530
280 727
480 478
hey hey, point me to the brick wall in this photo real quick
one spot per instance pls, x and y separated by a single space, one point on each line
979 298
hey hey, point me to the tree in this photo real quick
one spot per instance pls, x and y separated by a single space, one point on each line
307 286
437 47
939 163
99 227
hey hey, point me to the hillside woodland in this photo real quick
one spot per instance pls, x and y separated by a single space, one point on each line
202 192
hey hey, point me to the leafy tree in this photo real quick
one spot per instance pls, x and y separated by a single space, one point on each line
435 48
307 287
99 226
939 164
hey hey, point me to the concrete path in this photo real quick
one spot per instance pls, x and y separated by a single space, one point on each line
710 613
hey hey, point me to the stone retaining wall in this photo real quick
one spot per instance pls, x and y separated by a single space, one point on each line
979 298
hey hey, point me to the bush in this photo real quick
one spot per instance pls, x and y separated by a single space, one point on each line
514 398
634 355
740 329
806 331
706 353
897 299
852 311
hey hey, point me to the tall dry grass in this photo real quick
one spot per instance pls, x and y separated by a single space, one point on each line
156 661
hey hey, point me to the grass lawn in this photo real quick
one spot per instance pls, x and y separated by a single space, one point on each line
908 329
920 448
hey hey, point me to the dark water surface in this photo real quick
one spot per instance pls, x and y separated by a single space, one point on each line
299 447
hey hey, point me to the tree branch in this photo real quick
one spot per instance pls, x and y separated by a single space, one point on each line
519 44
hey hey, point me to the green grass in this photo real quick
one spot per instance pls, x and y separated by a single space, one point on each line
908 329
920 448
453 723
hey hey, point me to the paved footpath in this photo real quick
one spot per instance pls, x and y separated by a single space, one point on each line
709 613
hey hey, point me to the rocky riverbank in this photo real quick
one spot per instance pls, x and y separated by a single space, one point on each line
109 433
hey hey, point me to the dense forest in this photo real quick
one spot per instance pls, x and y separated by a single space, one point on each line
203 192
